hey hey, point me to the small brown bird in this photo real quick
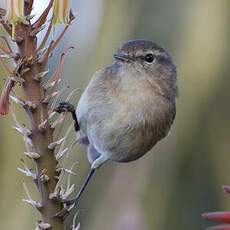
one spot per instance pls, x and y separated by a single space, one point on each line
127 107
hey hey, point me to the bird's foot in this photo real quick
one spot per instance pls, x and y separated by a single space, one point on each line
64 212
65 106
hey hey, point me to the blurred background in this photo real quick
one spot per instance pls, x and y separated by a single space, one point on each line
181 178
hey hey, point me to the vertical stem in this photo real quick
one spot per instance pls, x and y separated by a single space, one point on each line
41 138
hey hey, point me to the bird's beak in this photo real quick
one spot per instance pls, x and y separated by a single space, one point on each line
121 56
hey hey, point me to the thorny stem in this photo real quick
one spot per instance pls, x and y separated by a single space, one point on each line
31 64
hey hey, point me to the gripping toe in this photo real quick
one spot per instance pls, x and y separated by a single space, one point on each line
65 107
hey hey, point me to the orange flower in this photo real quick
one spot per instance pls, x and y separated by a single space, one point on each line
218 216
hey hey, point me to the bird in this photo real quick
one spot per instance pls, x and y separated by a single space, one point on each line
127 107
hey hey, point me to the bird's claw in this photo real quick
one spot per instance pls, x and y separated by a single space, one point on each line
63 213
64 106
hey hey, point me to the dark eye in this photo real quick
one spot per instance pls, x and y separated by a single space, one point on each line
149 58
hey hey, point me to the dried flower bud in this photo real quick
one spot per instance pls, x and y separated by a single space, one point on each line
32 155
43 225
61 12
15 14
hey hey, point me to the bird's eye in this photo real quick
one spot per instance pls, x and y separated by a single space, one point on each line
149 58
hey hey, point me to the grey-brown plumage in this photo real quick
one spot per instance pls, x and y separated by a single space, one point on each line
130 105
127 107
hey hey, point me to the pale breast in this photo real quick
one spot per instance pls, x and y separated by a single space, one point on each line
122 116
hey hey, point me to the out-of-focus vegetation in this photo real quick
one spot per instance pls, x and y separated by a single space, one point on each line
181 178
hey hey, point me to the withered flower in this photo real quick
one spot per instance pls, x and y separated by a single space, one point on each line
5 96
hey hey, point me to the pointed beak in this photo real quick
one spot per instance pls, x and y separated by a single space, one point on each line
121 56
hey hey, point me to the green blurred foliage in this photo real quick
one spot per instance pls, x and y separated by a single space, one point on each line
181 178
